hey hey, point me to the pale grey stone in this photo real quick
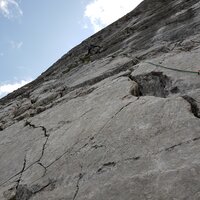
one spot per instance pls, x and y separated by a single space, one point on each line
104 122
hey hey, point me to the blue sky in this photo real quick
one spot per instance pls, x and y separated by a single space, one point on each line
36 33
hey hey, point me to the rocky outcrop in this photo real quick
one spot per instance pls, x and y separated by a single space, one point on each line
117 117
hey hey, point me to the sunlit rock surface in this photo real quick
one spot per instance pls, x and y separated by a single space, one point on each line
104 122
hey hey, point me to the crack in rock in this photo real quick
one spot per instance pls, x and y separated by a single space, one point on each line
132 158
27 123
178 145
45 169
80 176
21 173
97 146
112 164
23 192
194 106
125 106
71 148
66 90
36 189
106 165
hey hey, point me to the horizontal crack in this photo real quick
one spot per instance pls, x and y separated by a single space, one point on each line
132 158
97 146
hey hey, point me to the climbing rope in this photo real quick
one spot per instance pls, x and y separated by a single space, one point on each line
178 70
161 66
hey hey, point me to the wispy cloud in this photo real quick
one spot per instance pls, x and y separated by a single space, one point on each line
16 45
10 8
7 88
103 12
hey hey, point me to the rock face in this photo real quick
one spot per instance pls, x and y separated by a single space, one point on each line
107 120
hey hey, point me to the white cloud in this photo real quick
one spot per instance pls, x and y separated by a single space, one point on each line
103 12
16 45
10 8
7 88
85 26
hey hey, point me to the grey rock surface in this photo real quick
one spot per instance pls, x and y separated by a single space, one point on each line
105 121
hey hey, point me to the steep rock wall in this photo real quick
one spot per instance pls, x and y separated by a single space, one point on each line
106 121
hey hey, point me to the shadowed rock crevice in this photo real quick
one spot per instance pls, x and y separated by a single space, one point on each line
154 84
23 193
194 107
20 193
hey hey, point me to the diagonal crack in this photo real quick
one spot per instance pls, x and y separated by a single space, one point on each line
59 157
177 145
25 193
43 187
112 118
122 109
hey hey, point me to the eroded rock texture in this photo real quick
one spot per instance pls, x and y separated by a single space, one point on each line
103 123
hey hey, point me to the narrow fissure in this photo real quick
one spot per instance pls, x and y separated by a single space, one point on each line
77 185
